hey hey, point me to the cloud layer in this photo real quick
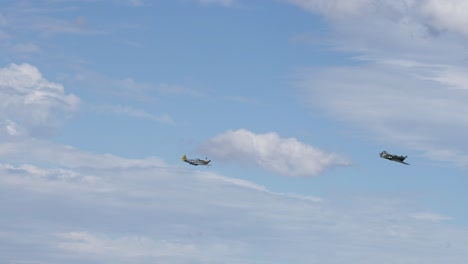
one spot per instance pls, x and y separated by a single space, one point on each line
163 213
285 156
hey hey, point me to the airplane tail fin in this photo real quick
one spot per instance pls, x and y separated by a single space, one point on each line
184 158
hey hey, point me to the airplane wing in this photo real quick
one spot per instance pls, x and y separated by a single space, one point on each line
401 162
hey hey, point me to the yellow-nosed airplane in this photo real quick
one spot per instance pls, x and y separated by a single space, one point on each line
195 162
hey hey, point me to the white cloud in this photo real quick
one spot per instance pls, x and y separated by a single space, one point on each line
447 15
32 105
286 156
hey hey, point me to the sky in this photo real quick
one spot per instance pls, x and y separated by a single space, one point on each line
291 100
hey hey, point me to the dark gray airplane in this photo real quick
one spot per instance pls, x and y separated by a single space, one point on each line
384 154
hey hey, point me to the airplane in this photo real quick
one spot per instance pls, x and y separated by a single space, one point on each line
385 155
196 162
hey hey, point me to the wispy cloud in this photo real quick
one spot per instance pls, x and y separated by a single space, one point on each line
285 156
50 26
134 247
43 18
430 217
43 152
134 112
127 87
220 2
26 48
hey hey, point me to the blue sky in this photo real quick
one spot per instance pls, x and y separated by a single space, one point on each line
292 100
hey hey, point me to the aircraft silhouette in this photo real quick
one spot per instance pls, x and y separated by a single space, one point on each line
196 162
385 155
